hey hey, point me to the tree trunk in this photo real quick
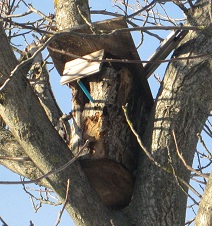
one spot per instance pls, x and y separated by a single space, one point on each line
204 215
183 104
71 14
22 112
113 149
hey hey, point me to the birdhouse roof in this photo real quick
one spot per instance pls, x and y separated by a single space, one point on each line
81 41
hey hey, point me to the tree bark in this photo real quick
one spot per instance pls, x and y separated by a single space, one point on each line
204 215
183 104
11 148
22 112
70 14
113 149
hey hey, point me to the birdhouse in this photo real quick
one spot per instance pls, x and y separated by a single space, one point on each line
110 37
93 64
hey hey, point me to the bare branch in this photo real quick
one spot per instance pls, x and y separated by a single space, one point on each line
51 172
31 8
15 158
127 61
41 200
204 145
4 223
66 200
26 62
183 160
149 155
148 7
17 15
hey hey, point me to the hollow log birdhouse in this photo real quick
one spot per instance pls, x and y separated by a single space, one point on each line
90 62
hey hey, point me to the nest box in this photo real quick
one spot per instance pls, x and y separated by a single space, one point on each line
118 45
110 167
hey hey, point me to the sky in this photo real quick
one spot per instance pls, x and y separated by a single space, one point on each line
15 206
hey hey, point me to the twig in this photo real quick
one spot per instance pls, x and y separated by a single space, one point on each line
148 32
15 158
207 130
86 20
203 167
127 61
149 155
181 6
198 181
66 200
183 160
41 199
4 223
51 172
105 12
23 25
157 77
200 166
39 12
148 7
190 221
179 179
115 31
166 169
27 61
17 15
192 189
204 145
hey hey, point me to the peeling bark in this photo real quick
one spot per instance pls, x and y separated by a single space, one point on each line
112 142
114 146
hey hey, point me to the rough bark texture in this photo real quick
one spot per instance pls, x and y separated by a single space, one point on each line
183 104
9 147
39 79
112 142
71 13
22 112
204 215
113 149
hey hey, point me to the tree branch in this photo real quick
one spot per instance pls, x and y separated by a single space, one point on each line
10 148
22 112
183 104
60 169
183 160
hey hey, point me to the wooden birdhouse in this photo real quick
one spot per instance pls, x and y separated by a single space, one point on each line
97 110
